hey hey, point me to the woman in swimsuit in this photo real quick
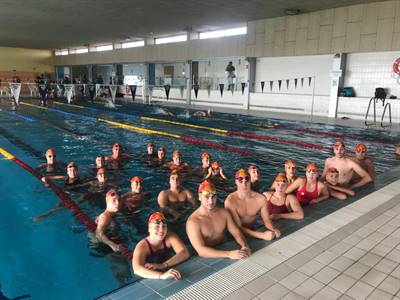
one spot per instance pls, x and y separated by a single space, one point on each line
151 257
309 190
279 204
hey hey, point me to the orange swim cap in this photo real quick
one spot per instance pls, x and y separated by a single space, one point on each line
136 179
312 167
281 177
50 151
215 165
332 170
205 154
117 145
150 144
290 162
242 173
361 148
338 143
111 193
176 153
206 186
157 216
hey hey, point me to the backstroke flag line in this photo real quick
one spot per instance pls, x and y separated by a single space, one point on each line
68 91
15 90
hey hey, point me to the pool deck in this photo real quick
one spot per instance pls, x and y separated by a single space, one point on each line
351 253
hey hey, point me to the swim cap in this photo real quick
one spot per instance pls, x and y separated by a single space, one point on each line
117 145
361 148
312 167
111 192
50 150
72 165
161 149
241 172
290 162
205 154
332 170
157 216
281 177
176 153
150 144
206 186
215 165
338 143
174 172
136 179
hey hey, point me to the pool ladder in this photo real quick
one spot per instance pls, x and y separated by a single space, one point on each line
373 101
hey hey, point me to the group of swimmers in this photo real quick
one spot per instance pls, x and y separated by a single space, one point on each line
155 255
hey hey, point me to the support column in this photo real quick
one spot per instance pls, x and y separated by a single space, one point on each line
188 78
337 80
90 73
251 75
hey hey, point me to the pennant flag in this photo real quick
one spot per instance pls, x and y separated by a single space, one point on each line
167 88
133 91
279 84
243 87
302 81
97 89
60 90
15 90
295 83
68 91
221 88
271 85
92 90
262 86
287 83
309 81
196 90
113 92
181 89
42 91
209 90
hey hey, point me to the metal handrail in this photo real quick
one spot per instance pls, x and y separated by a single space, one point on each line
374 100
390 115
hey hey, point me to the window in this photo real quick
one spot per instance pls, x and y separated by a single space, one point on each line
171 39
132 44
61 52
104 48
82 50
222 33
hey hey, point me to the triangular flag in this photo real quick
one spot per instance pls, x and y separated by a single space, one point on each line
196 89
209 90
15 90
68 91
243 87
279 84
92 90
262 86
271 85
221 88
113 92
309 81
295 83
302 81
287 83
167 88
133 91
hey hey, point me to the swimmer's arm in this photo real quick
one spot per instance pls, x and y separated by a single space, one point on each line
191 198
102 224
342 189
235 231
139 261
54 177
196 239
181 252
323 195
295 185
365 177
297 211
222 173
266 219
371 169
208 174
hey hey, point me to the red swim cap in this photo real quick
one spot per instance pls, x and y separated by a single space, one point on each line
157 216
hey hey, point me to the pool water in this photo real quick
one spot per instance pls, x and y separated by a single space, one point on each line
51 258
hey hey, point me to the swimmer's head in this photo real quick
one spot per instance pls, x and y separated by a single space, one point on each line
397 151
101 175
112 200
204 154
254 172
150 148
280 182
72 170
176 157
157 217
116 150
176 152
332 176
207 195
136 184
242 178
339 148
281 177
290 168
157 226
312 171
205 159
161 153
50 156
174 179
100 161
117 146
361 151
215 166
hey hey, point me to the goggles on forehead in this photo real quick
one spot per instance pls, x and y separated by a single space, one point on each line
209 194
158 222
242 178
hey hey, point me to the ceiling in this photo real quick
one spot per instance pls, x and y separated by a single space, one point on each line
53 24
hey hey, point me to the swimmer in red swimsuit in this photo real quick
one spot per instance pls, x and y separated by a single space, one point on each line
279 204
309 190
150 256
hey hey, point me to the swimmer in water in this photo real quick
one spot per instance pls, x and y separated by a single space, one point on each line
117 158
255 177
177 164
51 166
152 258
216 175
202 170
132 200
364 162
70 180
336 191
